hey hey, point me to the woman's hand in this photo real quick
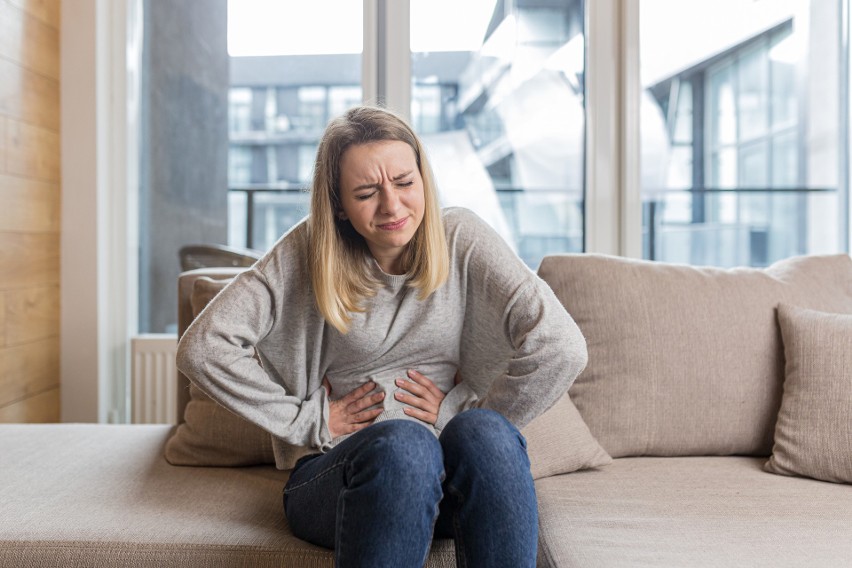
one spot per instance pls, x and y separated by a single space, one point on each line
423 397
347 414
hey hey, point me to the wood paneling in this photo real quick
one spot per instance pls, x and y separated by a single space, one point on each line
29 210
28 205
29 41
26 370
28 96
31 314
43 407
2 320
28 260
32 152
45 10
2 143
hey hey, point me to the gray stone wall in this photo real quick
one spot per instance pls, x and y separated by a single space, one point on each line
184 162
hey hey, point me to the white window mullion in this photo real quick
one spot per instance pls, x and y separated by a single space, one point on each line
613 201
370 53
631 100
397 56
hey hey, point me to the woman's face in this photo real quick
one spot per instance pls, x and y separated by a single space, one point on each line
381 193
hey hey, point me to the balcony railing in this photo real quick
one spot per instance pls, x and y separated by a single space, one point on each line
709 226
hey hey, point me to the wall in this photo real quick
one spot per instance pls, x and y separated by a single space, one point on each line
29 210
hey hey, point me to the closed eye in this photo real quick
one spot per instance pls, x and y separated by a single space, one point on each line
405 184
365 196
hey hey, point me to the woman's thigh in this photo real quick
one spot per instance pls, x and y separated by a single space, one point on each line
389 470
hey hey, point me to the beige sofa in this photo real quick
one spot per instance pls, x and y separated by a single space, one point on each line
685 388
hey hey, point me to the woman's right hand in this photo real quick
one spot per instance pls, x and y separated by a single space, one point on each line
347 414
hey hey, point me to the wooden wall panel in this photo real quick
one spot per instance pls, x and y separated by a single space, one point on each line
29 369
28 260
28 41
32 152
2 321
28 205
31 314
43 407
29 97
45 10
2 143
30 200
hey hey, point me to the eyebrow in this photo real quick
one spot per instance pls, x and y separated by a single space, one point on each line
372 185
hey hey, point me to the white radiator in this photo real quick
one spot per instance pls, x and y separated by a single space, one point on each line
153 378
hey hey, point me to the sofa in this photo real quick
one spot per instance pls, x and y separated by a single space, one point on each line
711 427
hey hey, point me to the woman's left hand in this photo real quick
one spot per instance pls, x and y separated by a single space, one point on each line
423 397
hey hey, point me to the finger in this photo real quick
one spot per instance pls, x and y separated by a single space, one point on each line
365 416
427 417
365 402
415 389
425 381
355 394
417 402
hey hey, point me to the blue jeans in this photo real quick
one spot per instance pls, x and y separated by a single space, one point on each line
377 497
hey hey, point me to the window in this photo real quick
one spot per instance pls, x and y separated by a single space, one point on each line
741 131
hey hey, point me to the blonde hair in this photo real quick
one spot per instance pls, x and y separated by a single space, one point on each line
340 276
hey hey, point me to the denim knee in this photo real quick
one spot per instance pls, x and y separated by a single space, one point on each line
404 451
481 431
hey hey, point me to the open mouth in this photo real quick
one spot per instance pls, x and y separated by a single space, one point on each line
393 226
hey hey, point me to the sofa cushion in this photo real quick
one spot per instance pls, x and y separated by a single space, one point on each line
686 360
813 436
102 495
558 441
692 511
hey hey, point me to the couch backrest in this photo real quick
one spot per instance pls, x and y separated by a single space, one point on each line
686 360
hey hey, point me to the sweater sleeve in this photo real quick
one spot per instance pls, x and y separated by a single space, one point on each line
520 348
218 353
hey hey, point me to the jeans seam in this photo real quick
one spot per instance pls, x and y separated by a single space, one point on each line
315 477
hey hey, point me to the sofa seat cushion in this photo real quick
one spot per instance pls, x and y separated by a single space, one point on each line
692 511
103 495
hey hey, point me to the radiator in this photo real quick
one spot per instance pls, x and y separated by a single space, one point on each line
153 378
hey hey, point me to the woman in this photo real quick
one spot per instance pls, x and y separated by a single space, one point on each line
351 337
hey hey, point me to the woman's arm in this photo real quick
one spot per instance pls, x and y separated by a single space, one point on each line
515 331
217 352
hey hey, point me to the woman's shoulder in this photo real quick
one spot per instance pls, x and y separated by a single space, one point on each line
288 256
456 218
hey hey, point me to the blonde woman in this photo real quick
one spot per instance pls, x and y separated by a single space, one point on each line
404 346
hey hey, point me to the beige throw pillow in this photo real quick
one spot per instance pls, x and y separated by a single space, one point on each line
558 441
686 360
813 436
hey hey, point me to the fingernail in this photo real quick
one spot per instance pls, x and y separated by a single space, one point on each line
411 372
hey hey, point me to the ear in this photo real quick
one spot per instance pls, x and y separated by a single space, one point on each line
342 215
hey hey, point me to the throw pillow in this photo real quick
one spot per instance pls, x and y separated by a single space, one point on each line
813 436
558 441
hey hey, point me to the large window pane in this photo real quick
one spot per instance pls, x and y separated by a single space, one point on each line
765 130
497 95
234 97
300 76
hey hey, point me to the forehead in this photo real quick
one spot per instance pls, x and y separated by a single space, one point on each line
370 160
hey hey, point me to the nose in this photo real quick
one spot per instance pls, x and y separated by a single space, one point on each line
388 200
